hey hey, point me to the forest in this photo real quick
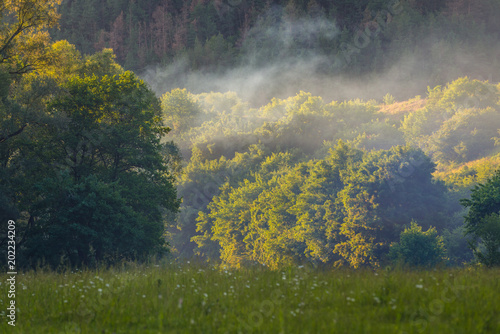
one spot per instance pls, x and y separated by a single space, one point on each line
250 166
301 180
344 49
101 165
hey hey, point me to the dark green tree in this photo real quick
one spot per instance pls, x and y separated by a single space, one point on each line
482 222
103 187
418 248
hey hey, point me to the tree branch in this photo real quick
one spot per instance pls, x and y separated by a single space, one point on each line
2 139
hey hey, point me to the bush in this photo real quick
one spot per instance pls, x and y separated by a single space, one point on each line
418 248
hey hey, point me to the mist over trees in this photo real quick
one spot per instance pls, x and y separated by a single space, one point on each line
274 133
395 46
301 180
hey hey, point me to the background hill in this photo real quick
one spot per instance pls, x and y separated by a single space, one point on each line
264 49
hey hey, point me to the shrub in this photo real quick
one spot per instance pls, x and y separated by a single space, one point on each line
418 248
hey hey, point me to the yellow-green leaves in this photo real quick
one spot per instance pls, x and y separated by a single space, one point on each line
23 42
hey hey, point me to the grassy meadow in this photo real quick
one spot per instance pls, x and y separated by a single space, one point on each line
187 298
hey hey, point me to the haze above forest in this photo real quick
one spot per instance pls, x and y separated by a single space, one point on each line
263 49
262 180
268 132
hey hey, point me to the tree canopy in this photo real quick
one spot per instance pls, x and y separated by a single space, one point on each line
482 221
95 168
274 185
85 170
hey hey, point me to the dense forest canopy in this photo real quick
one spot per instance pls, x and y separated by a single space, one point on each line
263 132
265 49
300 179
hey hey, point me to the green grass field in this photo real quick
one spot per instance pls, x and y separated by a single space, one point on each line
189 298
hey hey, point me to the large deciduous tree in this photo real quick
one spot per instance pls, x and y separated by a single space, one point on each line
105 184
92 181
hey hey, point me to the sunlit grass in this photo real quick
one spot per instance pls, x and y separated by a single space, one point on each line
174 298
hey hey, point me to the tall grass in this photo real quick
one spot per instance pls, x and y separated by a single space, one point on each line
186 298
